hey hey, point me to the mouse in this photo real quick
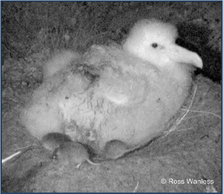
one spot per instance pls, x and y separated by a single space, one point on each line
73 153
52 141
115 149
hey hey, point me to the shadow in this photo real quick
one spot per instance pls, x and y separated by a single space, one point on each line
196 38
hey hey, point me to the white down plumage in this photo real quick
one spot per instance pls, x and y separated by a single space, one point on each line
128 92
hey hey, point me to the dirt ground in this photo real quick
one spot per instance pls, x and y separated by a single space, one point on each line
187 159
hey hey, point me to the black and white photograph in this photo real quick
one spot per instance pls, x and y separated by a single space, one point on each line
111 97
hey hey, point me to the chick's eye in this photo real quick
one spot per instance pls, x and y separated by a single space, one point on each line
154 45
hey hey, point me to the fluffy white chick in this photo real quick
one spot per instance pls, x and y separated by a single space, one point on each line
128 94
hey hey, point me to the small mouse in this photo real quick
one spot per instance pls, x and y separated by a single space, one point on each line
52 141
72 153
115 149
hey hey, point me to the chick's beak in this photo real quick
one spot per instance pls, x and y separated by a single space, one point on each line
182 55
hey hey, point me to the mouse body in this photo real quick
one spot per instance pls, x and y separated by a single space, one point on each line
116 149
72 153
52 141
